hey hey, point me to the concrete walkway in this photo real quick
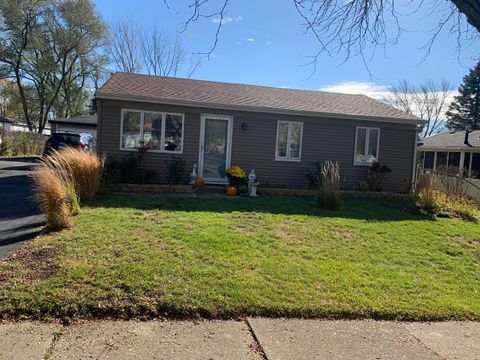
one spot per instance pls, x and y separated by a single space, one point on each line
255 338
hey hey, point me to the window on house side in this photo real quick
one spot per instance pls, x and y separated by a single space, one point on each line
366 145
289 140
161 132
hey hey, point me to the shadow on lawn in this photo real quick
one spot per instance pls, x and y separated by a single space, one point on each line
363 209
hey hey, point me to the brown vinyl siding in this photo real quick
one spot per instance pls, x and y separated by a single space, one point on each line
254 148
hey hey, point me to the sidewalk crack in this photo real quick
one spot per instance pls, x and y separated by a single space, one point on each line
259 346
56 336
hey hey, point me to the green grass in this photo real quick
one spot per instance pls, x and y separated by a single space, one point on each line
146 256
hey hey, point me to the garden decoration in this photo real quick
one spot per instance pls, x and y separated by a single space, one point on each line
252 184
232 191
193 175
199 182
237 178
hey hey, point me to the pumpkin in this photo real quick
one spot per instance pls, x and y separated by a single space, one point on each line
199 182
231 191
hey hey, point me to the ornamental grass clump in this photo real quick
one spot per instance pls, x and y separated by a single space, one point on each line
329 180
84 168
63 180
51 194
426 194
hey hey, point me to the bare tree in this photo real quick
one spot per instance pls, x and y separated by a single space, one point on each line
355 27
161 55
126 47
429 101
134 49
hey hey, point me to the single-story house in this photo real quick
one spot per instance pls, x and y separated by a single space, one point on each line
76 124
452 150
275 131
11 124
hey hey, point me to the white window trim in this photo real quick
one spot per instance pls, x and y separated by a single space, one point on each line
365 150
289 139
142 124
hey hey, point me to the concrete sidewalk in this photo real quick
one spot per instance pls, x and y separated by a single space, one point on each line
255 338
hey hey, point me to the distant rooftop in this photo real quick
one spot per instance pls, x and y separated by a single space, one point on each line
449 140
77 120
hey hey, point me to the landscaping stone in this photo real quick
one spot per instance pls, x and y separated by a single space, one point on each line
157 340
26 340
450 340
337 340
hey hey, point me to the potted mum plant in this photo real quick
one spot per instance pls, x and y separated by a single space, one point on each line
237 179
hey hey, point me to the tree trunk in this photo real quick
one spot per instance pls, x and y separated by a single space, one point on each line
471 9
23 98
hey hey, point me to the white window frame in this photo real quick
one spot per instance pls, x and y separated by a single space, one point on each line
142 124
365 150
289 139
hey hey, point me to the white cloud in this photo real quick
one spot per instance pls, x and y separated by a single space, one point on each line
251 40
371 89
227 20
268 43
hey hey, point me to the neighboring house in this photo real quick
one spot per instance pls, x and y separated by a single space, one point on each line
77 124
457 150
10 124
277 132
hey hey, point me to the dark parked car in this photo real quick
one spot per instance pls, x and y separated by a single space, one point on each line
59 141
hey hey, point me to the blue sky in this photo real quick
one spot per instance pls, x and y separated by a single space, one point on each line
264 44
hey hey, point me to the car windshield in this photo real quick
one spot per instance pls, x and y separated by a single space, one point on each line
67 138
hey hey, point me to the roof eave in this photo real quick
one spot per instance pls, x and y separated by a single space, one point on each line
110 96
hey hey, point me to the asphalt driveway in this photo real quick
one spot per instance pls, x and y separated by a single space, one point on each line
20 218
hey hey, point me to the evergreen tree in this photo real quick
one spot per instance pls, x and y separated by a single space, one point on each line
464 111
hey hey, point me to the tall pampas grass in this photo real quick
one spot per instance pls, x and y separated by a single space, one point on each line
83 168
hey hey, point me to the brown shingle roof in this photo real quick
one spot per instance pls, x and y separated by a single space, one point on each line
448 140
240 96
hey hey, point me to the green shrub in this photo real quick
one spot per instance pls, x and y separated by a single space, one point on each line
459 206
176 171
6 148
25 143
313 175
72 200
376 176
329 180
362 186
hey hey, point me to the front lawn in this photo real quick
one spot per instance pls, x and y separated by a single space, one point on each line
146 256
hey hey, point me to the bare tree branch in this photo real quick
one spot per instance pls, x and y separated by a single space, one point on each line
429 101
359 27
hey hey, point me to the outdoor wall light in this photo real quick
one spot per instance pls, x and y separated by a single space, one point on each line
244 126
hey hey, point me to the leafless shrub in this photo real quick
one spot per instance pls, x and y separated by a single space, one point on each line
451 180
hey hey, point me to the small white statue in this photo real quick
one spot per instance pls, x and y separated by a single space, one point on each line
252 184
193 175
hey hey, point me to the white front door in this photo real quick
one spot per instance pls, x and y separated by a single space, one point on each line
215 148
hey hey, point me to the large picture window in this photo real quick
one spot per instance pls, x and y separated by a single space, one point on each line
289 140
161 132
366 145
